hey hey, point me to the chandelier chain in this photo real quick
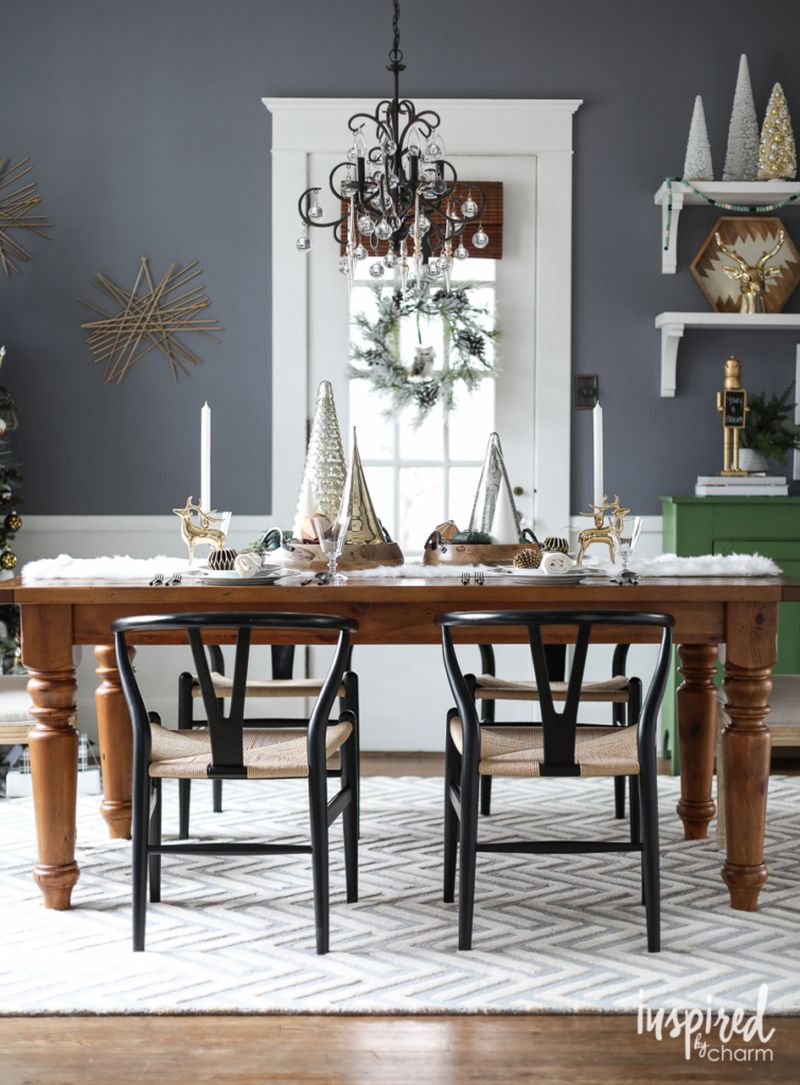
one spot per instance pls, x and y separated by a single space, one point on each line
395 56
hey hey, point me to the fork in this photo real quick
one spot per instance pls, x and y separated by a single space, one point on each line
466 577
480 578
174 580
157 581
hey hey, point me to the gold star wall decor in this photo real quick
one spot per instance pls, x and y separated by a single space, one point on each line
17 202
150 317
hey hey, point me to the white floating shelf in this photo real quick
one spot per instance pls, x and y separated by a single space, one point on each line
672 326
750 193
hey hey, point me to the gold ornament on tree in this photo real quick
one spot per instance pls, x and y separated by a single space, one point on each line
364 527
324 472
776 157
13 522
8 560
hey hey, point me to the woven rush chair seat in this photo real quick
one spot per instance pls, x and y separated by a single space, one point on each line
478 748
268 754
266 687
489 687
519 751
232 744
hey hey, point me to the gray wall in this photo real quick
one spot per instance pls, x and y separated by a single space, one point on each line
148 138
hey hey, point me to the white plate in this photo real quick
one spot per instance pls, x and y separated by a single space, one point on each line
540 574
219 576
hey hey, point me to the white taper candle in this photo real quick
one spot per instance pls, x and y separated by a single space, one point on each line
205 458
597 486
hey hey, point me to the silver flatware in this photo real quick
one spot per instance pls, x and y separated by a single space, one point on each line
174 580
157 581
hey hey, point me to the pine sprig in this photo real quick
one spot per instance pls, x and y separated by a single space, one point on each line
467 329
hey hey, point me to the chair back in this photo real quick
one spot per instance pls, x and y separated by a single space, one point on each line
226 732
558 728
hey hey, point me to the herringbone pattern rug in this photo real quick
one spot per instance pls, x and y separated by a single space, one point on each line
557 933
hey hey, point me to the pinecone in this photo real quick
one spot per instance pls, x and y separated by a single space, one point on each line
528 559
427 394
556 545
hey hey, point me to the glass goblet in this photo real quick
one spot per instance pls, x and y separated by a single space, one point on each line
331 539
626 547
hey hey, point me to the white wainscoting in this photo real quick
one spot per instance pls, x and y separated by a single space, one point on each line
391 724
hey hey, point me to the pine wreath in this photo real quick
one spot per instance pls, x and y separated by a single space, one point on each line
467 330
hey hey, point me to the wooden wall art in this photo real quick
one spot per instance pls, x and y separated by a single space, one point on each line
149 317
17 202
751 238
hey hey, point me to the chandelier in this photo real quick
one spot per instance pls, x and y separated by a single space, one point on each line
397 197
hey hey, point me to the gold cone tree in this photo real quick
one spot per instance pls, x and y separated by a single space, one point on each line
776 156
365 527
325 471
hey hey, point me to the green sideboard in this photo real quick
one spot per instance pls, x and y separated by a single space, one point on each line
742 525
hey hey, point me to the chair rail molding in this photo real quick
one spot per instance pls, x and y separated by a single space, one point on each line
503 127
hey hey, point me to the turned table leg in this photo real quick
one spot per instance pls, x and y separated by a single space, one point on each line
116 743
697 729
53 747
746 744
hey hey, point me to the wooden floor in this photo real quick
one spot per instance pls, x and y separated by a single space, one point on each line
526 1050
558 1049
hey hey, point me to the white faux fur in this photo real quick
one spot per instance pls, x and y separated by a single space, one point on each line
106 568
126 568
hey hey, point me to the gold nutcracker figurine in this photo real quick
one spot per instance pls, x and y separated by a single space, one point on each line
732 403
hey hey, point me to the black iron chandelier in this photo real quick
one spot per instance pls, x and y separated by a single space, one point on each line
398 196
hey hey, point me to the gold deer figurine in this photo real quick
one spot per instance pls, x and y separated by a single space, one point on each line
202 532
601 532
753 279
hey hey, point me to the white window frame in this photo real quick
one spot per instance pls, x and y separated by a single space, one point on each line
536 127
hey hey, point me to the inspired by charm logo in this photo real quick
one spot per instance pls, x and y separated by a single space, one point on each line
716 1033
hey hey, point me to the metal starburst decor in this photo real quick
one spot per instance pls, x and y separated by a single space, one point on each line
150 317
17 202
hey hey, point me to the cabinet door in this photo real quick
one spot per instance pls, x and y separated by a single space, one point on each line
786 552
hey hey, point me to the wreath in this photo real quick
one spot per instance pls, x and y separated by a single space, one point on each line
467 331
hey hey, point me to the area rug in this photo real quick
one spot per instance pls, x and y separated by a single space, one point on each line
552 933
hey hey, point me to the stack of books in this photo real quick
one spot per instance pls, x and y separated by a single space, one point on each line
741 486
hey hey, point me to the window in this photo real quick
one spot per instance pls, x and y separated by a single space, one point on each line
427 473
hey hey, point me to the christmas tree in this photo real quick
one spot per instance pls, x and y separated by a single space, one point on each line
10 524
697 165
776 157
741 159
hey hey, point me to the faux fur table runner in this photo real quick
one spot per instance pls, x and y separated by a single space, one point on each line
126 568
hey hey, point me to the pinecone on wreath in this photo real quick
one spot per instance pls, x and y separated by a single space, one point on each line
472 344
427 395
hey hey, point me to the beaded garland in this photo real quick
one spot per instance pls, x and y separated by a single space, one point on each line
764 209
468 333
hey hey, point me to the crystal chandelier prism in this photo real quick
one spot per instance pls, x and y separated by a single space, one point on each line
397 195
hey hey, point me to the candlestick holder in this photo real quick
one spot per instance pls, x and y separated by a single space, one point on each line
602 532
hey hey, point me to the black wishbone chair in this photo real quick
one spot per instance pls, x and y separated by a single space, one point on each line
622 693
560 747
280 685
229 749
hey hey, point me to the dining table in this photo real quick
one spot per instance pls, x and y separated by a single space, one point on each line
738 612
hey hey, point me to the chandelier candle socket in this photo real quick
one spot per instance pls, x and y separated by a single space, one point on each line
400 190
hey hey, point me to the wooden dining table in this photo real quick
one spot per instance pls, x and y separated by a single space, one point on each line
740 613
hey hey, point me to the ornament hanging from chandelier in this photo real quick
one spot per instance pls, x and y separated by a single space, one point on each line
398 194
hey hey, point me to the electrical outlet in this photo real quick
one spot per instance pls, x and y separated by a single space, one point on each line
586 391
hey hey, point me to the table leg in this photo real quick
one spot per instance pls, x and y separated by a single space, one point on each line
116 744
53 746
697 728
746 743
